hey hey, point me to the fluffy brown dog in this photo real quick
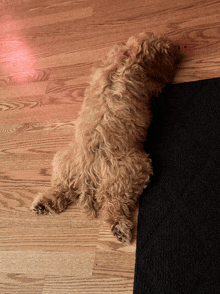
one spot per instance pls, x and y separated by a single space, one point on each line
105 168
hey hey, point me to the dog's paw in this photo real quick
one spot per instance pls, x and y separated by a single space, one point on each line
122 233
40 206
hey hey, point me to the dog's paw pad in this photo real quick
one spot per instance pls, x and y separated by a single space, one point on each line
40 208
121 233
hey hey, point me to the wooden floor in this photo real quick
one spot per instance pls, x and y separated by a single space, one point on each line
46 52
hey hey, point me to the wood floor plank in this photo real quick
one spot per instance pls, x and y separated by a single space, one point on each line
43 14
32 112
75 264
17 283
69 232
67 285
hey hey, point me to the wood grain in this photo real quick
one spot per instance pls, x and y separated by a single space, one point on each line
47 50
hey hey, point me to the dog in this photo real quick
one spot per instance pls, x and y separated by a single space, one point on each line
105 168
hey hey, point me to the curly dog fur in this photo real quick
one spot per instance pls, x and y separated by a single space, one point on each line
105 168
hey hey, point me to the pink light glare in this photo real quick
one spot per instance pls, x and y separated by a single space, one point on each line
15 55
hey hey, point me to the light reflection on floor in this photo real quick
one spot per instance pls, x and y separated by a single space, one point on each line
16 57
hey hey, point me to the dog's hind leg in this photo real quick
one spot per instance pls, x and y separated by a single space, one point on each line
53 201
119 217
63 190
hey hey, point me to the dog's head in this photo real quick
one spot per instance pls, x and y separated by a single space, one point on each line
155 55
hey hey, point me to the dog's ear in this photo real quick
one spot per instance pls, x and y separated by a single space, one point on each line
135 42
134 45
121 57
132 42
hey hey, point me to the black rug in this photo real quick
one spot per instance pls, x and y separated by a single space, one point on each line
178 238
